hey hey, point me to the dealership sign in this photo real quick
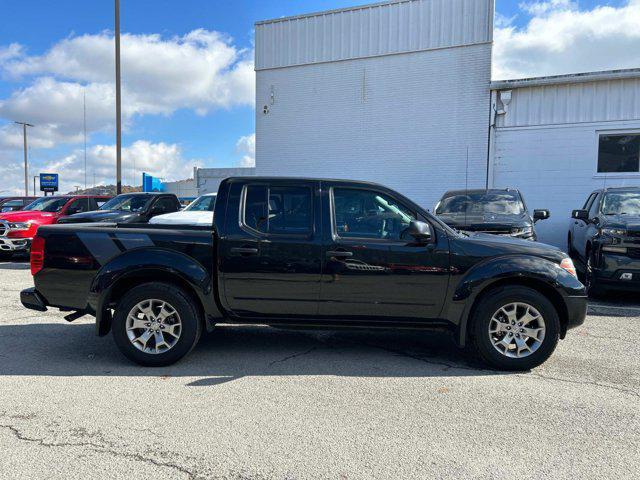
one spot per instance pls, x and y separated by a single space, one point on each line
48 182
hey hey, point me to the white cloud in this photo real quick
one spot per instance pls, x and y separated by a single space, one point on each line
201 71
559 38
246 145
539 8
159 159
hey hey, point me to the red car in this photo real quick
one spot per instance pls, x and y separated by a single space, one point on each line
18 228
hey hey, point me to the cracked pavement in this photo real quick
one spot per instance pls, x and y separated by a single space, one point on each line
259 403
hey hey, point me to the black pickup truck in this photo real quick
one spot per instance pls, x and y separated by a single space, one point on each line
308 253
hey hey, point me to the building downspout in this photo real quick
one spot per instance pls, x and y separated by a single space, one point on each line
491 139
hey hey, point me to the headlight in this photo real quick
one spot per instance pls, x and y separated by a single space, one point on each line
567 264
19 226
522 232
613 232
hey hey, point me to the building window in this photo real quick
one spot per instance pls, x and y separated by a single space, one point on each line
619 153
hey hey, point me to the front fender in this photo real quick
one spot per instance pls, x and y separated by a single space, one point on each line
512 269
149 264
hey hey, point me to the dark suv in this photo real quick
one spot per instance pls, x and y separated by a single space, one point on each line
130 208
604 237
497 211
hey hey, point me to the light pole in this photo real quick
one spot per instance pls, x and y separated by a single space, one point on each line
118 104
34 185
26 168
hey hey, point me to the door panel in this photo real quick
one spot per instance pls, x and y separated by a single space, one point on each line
381 276
270 261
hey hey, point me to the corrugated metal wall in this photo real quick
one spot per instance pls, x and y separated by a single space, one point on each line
372 30
601 101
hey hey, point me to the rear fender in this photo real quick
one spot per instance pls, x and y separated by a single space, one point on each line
148 265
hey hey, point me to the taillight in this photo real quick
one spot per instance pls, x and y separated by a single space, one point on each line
37 254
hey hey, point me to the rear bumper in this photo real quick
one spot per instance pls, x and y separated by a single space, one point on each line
14 244
31 299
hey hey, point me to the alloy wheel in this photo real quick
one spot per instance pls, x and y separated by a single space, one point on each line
153 326
517 330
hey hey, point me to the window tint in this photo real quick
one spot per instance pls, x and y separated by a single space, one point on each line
13 203
593 210
278 210
289 210
587 204
619 153
165 204
79 206
369 214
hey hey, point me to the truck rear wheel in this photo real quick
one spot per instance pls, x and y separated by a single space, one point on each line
156 324
515 328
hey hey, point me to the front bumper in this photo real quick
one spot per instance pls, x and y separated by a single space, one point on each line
14 244
30 298
576 311
619 271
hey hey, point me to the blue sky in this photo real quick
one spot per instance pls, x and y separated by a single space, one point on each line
212 138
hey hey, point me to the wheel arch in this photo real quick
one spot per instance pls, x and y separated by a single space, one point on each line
162 266
533 283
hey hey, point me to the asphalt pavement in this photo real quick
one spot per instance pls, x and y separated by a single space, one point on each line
259 403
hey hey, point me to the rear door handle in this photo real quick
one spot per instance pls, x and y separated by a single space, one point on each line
245 250
339 254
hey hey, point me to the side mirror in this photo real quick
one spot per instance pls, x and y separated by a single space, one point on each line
421 231
542 214
580 215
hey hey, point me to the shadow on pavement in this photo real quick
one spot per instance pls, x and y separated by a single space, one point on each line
230 353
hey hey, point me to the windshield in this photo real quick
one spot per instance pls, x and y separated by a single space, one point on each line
499 203
51 204
202 204
621 203
127 203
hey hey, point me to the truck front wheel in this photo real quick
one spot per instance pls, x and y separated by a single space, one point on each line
515 328
156 324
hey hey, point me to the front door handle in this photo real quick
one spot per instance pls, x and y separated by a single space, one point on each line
339 254
245 250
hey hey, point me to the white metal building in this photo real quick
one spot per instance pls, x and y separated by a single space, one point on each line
396 93
400 93
559 138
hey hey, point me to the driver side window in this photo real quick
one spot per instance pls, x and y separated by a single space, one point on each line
80 205
362 213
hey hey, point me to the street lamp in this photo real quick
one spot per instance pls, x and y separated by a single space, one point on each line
26 168
118 103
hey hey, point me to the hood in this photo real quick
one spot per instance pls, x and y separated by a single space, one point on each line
628 222
184 218
484 221
494 245
29 215
101 216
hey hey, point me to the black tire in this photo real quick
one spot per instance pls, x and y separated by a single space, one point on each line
182 303
490 304
590 282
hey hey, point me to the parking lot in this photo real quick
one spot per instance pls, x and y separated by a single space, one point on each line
255 402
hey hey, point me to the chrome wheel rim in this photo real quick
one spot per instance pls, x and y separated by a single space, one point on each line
517 330
153 326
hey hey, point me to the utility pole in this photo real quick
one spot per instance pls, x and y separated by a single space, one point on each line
26 167
84 128
118 104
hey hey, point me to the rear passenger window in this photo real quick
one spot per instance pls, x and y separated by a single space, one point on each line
278 210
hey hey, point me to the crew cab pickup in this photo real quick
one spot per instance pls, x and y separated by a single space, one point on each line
308 253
